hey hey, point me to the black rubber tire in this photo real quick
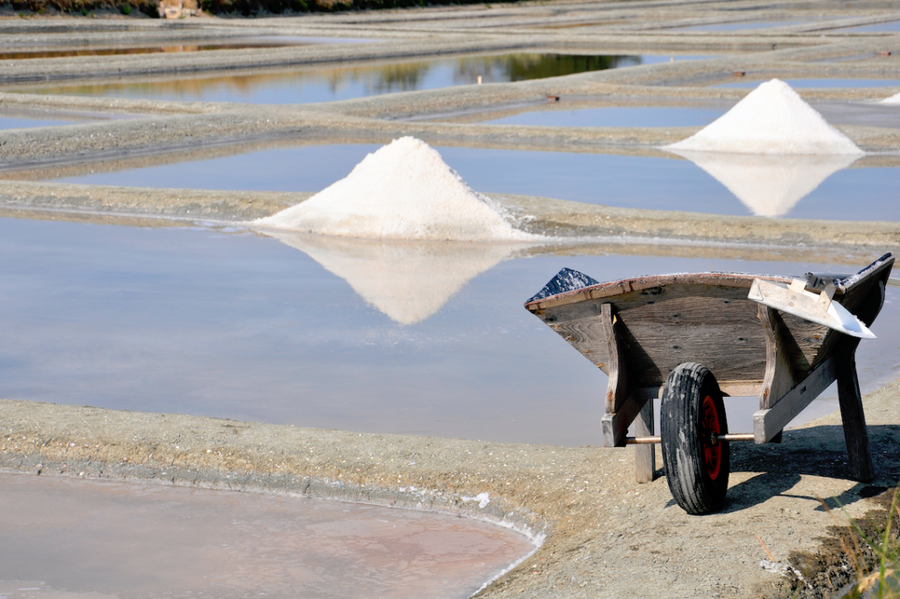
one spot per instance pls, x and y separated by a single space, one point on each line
696 468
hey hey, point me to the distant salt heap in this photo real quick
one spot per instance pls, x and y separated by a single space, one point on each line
772 119
402 191
892 100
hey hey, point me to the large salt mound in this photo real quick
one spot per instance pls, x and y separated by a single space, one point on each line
892 100
402 191
772 119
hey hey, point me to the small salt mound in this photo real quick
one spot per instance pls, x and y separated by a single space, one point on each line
892 100
402 191
772 119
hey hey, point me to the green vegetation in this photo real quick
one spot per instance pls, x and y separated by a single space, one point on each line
859 560
876 562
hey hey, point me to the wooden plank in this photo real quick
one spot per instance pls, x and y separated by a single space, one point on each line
644 455
614 427
616 367
854 419
767 423
852 415
649 284
779 378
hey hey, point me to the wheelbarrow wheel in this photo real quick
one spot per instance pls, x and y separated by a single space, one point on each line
696 461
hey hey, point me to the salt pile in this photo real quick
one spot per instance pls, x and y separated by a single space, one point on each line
402 191
892 100
407 281
772 119
769 185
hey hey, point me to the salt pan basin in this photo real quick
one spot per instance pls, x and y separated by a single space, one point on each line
237 325
65 538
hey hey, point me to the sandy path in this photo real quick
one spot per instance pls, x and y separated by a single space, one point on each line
606 536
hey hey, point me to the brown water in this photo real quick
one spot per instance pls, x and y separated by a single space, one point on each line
70 538
239 43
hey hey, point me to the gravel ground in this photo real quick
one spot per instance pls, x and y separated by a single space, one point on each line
605 535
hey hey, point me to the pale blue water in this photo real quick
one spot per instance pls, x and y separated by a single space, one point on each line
7 122
626 181
890 27
229 324
823 83
636 116
737 26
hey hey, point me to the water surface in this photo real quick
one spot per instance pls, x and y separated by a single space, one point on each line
617 116
170 47
66 538
803 191
16 122
890 26
738 25
236 325
325 84
822 83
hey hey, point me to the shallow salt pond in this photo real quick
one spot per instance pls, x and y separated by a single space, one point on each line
797 187
327 333
618 116
15 122
889 27
65 538
869 114
738 25
839 83
325 84
57 51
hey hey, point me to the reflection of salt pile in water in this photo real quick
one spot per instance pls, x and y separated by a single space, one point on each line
407 281
892 100
402 191
769 185
772 119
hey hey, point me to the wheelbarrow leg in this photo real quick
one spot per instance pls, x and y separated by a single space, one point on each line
644 455
855 433
852 415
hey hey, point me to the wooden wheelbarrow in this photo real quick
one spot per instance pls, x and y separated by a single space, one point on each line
690 339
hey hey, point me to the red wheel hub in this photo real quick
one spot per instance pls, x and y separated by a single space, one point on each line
710 429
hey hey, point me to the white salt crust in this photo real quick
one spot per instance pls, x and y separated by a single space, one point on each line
772 119
892 100
403 191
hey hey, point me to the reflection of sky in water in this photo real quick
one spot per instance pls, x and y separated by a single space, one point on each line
241 326
616 116
888 27
865 114
738 25
111 539
342 83
823 83
626 181
10 122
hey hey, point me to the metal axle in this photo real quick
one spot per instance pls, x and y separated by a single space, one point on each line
657 439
